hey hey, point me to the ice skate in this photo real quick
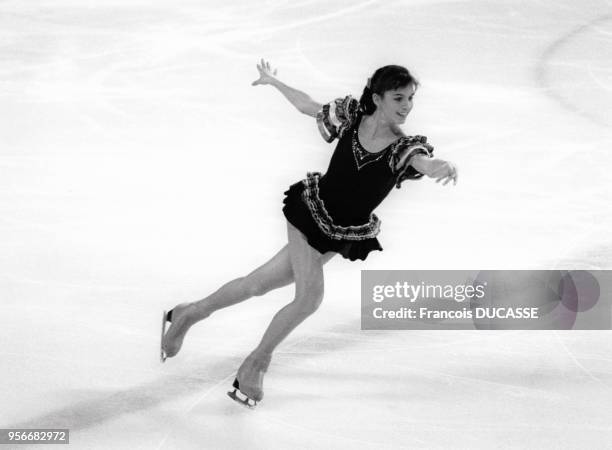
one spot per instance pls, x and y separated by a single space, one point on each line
166 317
240 397
248 384
167 351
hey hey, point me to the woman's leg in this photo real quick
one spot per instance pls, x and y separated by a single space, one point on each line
275 273
307 266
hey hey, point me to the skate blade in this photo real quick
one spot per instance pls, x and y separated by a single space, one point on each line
241 398
162 353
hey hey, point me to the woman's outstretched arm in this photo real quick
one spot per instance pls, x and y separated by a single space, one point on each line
435 168
299 99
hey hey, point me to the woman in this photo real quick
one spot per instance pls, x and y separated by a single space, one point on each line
326 214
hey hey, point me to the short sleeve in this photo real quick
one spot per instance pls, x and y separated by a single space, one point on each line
336 117
414 145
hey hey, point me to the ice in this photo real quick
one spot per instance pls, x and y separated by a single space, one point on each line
139 168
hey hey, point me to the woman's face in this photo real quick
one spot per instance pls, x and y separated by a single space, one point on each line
395 104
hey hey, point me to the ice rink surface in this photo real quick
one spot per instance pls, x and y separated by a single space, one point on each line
139 168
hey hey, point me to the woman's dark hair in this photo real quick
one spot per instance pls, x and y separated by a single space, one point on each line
385 79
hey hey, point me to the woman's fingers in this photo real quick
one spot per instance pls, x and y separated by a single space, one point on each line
265 73
265 65
261 69
450 173
454 174
446 179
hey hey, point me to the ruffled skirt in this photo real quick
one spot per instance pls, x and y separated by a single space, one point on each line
304 209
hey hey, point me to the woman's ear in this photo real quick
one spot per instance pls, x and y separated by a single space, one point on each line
377 99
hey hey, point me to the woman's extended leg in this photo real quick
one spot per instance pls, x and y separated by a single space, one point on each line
307 268
275 273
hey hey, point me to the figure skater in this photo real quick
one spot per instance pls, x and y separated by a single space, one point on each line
326 214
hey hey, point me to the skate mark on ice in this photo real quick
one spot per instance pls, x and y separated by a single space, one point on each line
106 405
543 70
578 363
312 431
194 404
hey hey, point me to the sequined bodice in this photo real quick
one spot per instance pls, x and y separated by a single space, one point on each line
362 156
356 181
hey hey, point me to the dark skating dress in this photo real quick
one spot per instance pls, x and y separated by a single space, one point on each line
334 210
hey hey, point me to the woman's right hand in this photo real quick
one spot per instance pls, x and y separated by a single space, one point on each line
265 74
443 171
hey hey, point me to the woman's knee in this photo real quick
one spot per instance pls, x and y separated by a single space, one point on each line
275 273
254 286
257 284
309 297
